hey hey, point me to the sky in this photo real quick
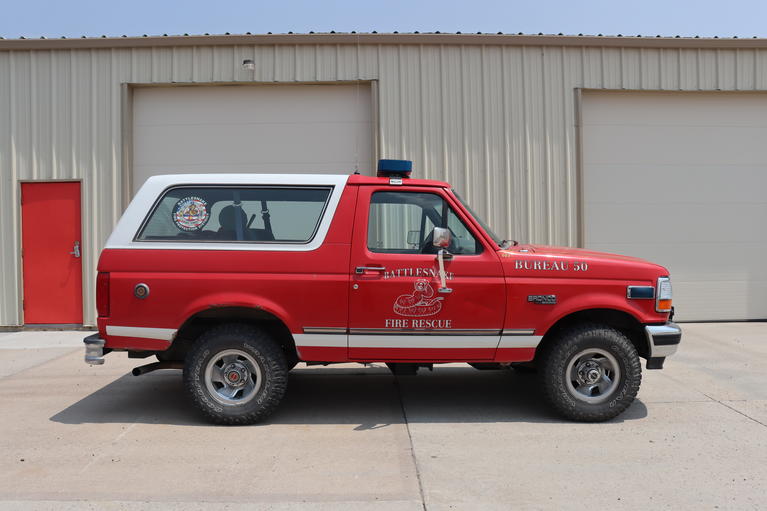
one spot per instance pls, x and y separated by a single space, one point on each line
93 18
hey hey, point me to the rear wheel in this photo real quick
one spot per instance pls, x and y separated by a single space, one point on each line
591 373
235 374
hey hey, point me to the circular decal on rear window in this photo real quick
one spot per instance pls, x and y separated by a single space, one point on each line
191 214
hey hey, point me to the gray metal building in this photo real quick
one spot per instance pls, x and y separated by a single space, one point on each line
654 147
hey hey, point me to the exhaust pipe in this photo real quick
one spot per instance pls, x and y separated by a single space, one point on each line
148 368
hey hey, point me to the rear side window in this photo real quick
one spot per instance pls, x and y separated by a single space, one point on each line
236 214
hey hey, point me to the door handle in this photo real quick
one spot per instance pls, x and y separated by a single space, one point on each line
76 251
359 270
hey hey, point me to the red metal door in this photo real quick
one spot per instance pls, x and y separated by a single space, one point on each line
50 241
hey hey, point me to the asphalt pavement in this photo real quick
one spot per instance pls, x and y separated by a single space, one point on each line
352 437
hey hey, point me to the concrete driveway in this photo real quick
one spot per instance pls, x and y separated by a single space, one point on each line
80 437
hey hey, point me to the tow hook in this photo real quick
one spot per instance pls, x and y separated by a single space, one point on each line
154 366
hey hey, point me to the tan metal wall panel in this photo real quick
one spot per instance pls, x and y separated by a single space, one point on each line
497 121
8 214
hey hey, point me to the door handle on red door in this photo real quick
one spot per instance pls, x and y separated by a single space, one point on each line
359 270
76 251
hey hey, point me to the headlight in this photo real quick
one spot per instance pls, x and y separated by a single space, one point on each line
663 295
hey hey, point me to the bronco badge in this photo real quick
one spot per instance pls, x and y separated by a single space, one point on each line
543 299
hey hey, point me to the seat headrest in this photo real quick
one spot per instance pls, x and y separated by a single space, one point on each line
227 218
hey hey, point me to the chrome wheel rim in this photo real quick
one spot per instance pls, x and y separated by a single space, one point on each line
592 375
233 377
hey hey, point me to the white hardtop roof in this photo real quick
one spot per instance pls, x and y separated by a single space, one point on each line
140 206
165 180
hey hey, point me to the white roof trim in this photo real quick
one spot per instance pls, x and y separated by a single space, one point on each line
130 222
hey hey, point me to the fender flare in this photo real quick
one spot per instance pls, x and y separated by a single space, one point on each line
241 300
598 301
597 306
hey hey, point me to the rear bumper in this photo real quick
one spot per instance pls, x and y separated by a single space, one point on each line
663 340
94 349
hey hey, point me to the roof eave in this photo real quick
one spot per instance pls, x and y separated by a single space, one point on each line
368 38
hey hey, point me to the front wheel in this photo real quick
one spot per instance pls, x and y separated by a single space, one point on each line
591 373
235 374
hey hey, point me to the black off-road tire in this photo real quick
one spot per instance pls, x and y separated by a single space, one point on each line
524 367
255 347
581 344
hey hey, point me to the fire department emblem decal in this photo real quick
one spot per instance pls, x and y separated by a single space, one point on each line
191 214
420 302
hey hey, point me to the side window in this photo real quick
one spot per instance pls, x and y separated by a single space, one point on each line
402 223
464 241
250 215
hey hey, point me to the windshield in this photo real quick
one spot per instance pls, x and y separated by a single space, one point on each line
498 241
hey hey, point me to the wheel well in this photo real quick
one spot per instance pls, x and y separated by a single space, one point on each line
627 324
197 324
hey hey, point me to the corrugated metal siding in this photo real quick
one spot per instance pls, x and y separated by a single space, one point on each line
499 122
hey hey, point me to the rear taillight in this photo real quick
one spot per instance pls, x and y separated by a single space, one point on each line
102 294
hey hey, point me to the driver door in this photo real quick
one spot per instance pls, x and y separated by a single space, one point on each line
398 310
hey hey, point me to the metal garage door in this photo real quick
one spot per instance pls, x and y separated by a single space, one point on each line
681 179
253 128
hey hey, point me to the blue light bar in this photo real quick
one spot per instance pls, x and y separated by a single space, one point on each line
394 168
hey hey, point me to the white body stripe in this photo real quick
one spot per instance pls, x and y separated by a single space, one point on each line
324 340
520 341
363 341
417 341
127 227
166 334
423 341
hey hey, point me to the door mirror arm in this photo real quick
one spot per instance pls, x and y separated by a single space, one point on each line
440 238
441 256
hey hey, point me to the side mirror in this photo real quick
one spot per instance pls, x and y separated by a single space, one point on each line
441 237
412 238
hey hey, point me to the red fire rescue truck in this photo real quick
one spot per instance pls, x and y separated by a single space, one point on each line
238 277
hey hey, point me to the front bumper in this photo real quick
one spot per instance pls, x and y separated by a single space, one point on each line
94 349
662 341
